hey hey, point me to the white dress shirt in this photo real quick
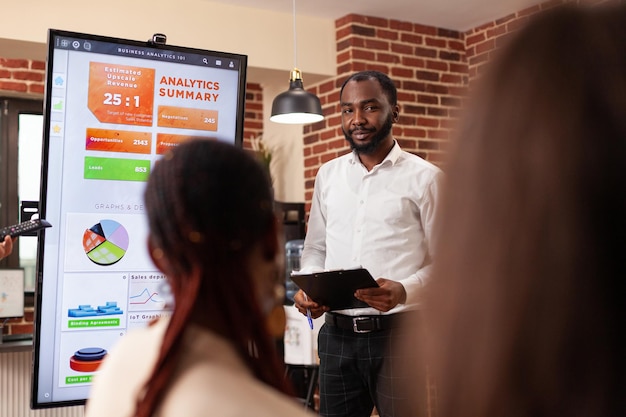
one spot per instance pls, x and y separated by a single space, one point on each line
381 220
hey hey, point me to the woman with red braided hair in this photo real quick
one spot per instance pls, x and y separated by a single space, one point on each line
214 234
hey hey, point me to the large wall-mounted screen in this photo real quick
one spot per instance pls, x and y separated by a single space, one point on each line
113 107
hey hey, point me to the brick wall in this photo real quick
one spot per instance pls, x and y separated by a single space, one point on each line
22 76
253 120
432 68
19 325
481 42
429 68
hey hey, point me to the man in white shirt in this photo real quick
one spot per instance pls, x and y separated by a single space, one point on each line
374 208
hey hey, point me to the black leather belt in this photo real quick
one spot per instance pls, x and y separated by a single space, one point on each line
361 324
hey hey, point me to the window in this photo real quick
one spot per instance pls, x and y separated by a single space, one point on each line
21 129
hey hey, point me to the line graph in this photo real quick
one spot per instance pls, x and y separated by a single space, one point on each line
145 297
151 297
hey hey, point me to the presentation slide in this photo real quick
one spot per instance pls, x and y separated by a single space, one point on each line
113 108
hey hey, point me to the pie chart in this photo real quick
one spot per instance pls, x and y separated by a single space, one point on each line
105 243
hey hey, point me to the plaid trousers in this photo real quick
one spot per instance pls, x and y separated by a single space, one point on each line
360 371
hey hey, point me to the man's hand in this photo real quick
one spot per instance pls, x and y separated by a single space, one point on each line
388 295
302 304
6 246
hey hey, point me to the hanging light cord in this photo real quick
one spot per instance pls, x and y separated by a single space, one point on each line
295 38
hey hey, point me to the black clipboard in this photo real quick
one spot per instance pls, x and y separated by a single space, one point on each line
335 289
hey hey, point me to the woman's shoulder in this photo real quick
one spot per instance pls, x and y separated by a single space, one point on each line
212 376
124 371
211 388
141 342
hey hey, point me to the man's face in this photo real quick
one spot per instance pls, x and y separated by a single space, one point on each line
366 115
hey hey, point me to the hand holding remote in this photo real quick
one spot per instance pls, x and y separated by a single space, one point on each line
28 226
6 247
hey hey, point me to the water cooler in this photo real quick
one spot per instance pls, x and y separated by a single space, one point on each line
293 253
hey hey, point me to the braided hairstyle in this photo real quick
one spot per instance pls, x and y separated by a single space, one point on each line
209 204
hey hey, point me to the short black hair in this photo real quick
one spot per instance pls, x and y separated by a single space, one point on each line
385 82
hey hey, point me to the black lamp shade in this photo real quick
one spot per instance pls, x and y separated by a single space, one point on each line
296 105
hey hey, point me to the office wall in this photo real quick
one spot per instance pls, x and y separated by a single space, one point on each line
429 68
265 36
432 68
253 115
22 77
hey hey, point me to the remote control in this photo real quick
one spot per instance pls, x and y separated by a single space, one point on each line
23 228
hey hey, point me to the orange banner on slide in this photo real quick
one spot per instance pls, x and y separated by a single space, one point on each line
110 140
167 141
187 118
121 94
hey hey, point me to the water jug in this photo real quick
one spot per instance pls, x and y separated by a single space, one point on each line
293 253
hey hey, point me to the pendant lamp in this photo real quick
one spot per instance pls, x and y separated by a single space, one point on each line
296 105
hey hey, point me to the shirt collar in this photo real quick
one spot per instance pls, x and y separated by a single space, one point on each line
391 158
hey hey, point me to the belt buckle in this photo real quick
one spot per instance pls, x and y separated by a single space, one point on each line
355 324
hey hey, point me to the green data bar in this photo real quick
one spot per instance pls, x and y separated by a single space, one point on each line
116 169
85 323
83 379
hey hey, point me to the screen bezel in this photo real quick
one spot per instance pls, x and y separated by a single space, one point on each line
54 34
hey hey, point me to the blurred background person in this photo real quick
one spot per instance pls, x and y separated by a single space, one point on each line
525 309
214 234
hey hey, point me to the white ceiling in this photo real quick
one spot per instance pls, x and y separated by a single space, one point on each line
449 14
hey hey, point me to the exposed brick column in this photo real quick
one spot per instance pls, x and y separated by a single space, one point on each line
253 121
22 76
